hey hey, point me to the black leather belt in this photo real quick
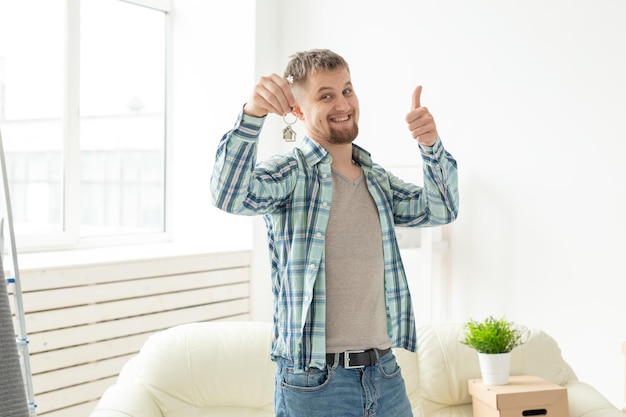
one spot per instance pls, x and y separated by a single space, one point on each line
353 359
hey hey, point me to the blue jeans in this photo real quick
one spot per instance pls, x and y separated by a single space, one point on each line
376 390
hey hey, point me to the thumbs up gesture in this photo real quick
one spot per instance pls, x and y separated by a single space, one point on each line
421 122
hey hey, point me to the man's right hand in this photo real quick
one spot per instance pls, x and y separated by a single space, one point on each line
271 94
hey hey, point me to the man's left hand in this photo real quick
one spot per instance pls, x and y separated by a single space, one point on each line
421 122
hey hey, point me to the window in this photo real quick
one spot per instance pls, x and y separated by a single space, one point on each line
31 110
83 117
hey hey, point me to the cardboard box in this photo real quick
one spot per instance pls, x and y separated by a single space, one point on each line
525 395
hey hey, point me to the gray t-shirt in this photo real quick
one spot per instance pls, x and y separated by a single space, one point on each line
356 315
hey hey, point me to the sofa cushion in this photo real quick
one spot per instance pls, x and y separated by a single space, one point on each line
209 364
445 364
540 355
410 372
585 401
126 399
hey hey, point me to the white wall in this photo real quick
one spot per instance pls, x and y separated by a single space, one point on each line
529 97
213 70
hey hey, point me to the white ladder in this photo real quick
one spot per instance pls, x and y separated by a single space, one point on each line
14 281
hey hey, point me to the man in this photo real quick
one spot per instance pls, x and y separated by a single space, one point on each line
341 298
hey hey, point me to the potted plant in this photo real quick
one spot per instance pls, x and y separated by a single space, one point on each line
493 339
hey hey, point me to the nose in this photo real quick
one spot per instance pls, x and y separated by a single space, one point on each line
342 103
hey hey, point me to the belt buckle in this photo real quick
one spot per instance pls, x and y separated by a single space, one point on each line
346 359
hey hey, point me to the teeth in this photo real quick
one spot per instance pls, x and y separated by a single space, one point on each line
341 119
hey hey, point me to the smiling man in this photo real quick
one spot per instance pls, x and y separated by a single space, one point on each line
341 298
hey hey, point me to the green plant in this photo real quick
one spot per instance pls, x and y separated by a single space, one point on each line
492 335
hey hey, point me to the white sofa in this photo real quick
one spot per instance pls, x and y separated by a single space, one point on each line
223 369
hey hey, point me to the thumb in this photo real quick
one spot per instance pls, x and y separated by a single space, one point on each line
416 97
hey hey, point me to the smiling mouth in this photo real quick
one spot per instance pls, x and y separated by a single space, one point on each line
340 119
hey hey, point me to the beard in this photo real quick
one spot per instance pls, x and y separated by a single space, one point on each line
342 137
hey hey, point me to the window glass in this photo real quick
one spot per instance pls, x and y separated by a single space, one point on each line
31 106
122 125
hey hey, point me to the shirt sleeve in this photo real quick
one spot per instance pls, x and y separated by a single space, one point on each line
238 184
436 203
441 183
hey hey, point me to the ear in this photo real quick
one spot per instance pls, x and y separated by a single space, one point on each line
298 113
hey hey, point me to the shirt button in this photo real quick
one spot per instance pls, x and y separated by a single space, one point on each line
324 175
312 266
324 204
318 234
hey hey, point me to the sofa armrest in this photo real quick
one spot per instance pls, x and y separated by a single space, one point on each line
126 399
584 400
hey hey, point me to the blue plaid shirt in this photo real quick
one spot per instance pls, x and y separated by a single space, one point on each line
294 193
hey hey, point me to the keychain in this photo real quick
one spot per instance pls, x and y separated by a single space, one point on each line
289 135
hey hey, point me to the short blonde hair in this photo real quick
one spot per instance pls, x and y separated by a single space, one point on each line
302 64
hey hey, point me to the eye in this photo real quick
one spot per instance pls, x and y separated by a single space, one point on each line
347 91
326 97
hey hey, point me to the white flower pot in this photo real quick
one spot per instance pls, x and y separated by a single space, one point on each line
495 368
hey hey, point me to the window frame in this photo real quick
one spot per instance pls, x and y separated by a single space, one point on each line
69 235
